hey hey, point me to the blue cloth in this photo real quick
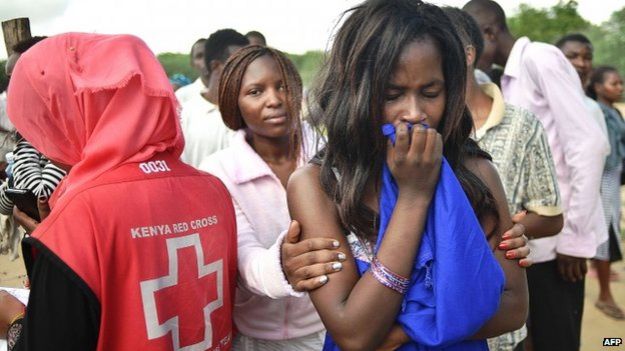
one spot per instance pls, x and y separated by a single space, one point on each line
456 283
179 79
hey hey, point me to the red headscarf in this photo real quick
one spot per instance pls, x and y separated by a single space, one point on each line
93 102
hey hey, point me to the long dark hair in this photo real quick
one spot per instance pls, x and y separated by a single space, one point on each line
597 77
230 85
348 100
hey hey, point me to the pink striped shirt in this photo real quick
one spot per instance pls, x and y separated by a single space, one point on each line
539 78
265 305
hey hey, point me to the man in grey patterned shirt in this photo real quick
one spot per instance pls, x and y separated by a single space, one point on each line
518 145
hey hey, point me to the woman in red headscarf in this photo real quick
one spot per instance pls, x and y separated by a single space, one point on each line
132 255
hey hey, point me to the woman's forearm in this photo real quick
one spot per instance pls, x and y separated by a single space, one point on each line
395 338
509 317
366 314
513 304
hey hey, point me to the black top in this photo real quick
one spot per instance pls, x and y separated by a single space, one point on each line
62 312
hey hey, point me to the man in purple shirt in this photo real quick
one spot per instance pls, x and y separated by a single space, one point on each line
539 78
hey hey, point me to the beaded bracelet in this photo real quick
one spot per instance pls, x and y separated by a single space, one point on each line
388 278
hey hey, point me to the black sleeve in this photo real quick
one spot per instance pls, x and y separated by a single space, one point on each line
62 312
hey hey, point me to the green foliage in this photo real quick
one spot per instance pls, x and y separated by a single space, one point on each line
177 63
307 64
547 24
539 24
609 41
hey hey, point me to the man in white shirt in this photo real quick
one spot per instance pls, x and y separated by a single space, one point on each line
185 93
204 130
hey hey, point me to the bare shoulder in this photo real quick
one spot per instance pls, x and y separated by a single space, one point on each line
310 205
308 173
485 170
304 182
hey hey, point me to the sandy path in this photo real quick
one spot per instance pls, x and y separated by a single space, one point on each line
596 325
12 273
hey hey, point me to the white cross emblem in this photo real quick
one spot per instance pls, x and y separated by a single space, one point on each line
150 287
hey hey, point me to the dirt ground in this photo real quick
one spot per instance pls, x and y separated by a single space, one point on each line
12 273
596 325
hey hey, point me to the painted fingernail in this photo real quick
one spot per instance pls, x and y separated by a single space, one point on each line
337 266
503 246
323 279
341 256
335 243
510 254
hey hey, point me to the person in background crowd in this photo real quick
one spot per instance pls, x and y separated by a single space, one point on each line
579 51
132 255
539 78
404 275
204 130
481 77
256 38
29 169
178 81
494 72
196 88
606 87
4 83
7 137
518 145
10 236
6 128
620 106
5 124
260 97
32 171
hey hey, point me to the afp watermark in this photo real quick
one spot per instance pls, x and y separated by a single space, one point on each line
612 341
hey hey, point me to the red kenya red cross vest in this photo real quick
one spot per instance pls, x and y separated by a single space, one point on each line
156 243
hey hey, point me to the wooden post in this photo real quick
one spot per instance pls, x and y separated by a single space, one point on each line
15 30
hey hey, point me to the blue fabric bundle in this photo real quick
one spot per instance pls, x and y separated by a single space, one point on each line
456 283
179 79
